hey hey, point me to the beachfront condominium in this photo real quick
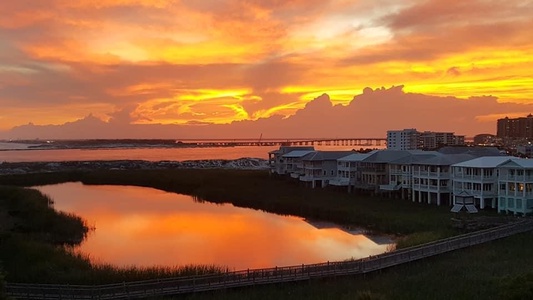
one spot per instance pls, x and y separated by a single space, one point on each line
406 139
411 139
515 128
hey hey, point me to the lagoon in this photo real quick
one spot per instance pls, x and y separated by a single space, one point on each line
148 227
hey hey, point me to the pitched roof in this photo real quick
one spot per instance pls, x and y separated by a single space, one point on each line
484 162
415 157
356 156
387 155
520 162
326 155
445 159
297 153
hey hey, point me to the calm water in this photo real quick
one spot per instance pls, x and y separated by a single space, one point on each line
176 154
146 227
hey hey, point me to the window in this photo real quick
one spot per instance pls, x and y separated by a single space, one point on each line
503 202
502 187
518 203
511 186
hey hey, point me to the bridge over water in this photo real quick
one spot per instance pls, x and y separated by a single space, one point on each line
358 141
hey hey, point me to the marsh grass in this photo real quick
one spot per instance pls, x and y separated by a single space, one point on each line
38 246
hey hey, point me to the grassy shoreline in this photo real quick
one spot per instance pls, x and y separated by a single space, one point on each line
36 246
257 190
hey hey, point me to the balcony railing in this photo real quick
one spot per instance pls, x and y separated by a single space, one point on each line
517 194
519 178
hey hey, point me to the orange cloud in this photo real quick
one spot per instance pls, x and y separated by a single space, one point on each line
183 62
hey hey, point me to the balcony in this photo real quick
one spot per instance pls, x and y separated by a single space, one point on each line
516 194
518 178
312 167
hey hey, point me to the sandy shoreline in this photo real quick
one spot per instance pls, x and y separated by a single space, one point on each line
246 163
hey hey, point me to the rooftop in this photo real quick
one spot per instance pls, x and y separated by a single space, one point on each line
484 162
326 155
298 153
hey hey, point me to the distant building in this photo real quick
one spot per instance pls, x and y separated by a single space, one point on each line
515 128
485 139
411 139
406 139
433 140
278 163
524 150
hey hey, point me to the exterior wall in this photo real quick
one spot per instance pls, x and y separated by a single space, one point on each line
431 184
406 139
319 172
515 128
432 140
276 161
373 175
525 150
515 190
348 172
410 139
478 182
399 179
294 166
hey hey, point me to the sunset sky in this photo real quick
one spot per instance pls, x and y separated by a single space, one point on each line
198 62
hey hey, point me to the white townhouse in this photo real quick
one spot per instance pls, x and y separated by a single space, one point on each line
294 163
432 178
349 170
276 160
400 172
515 183
478 178
375 168
320 167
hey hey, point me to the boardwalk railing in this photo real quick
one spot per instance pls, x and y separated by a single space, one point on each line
173 286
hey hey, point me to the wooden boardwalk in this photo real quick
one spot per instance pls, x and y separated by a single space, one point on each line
182 285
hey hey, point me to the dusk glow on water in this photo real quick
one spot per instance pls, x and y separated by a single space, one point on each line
146 227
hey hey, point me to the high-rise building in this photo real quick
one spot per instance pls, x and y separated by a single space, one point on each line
406 139
410 139
515 128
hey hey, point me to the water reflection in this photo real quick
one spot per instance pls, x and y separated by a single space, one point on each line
146 227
